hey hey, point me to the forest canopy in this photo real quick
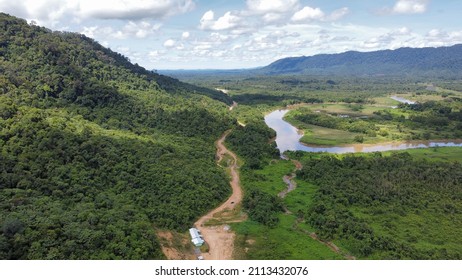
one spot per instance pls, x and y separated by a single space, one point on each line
95 152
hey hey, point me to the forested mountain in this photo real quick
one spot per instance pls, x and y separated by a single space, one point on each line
436 62
95 152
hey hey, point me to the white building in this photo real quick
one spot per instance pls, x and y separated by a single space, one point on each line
196 237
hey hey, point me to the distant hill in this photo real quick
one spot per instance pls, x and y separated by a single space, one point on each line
442 61
96 152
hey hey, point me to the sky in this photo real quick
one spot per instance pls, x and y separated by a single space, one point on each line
235 34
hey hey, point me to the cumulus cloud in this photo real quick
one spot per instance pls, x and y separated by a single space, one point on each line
272 6
139 29
155 56
133 9
170 43
272 17
401 37
100 32
274 41
402 31
308 13
378 42
42 11
185 35
338 14
410 6
51 11
132 29
227 21
435 33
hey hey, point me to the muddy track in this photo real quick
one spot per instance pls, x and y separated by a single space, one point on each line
291 185
220 238
289 180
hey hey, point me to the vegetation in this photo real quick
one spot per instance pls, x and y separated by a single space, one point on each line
443 154
336 110
288 238
251 143
390 207
331 124
95 151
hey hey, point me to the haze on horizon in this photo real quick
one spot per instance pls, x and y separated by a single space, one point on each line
200 34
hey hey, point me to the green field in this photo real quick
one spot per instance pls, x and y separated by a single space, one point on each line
318 135
280 243
450 154
340 124
352 109
289 239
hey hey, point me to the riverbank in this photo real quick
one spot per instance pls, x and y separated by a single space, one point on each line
288 139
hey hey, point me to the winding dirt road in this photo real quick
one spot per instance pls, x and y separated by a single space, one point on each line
220 238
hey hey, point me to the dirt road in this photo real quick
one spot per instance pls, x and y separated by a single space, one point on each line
219 237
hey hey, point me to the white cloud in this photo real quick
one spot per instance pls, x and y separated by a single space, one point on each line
310 14
227 21
100 32
169 44
272 17
270 11
437 33
382 41
410 6
272 6
392 39
133 9
155 56
185 35
50 12
132 29
122 49
402 31
90 31
307 14
42 11
218 38
139 29
338 14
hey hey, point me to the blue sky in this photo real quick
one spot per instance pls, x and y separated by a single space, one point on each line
200 34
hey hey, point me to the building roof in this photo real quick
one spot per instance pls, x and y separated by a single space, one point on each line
196 237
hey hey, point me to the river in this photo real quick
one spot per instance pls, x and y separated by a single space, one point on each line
288 139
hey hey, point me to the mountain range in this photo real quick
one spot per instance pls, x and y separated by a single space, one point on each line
441 61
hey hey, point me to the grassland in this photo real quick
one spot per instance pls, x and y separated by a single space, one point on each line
289 239
283 242
351 109
342 123
437 154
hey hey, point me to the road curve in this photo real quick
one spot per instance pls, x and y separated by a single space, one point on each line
219 238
